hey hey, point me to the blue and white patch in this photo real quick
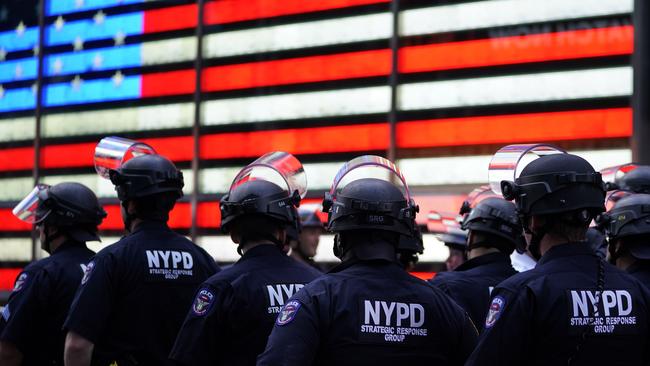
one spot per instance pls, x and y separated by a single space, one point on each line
496 308
203 302
288 312
87 271
6 313
20 282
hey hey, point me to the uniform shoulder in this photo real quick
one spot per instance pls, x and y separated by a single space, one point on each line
38 266
521 279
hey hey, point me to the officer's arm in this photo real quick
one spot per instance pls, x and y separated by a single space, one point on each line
507 334
78 350
295 336
468 339
197 341
10 355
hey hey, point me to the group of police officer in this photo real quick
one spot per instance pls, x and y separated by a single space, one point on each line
156 298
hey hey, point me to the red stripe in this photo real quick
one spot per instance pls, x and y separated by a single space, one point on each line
8 278
296 141
229 11
522 49
9 222
423 275
208 216
520 128
20 158
298 70
168 83
171 18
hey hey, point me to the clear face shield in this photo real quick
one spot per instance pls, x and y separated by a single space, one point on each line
280 168
30 209
508 163
112 152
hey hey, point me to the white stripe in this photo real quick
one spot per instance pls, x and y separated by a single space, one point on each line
225 251
295 106
17 129
299 35
16 249
495 13
118 120
168 51
593 83
15 189
452 170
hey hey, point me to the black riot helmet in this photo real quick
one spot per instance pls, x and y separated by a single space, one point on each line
136 170
71 207
630 219
446 227
637 180
364 197
497 217
552 183
271 186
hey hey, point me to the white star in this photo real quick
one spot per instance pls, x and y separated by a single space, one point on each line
3 54
78 3
20 29
76 82
58 23
119 38
99 17
2 92
97 61
19 71
35 50
78 44
118 78
57 66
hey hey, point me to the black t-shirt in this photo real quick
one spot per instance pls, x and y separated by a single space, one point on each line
135 293
234 310
39 303
370 313
471 283
539 317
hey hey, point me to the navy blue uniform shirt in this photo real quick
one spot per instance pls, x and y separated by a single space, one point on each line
135 293
234 310
641 271
538 317
39 303
471 283
370 313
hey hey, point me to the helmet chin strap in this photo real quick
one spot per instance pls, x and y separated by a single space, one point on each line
536 239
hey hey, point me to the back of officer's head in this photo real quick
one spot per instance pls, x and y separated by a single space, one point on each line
629 226
568 210
368 233
494 223
150 185
244 214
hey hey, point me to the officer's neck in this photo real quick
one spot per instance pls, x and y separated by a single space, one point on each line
252 244
57 242
480 251
625 261
551 240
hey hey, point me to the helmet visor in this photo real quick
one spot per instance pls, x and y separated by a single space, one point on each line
279 168
112 152
509 161
369 166
614 174
30 209
444 223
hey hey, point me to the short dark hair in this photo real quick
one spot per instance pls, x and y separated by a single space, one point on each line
156 206
255 227
489 240
569 225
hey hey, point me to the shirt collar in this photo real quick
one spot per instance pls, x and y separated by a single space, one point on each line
484 259
566 250
263 250
69 244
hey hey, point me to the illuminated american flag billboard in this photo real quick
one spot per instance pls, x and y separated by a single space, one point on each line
311 78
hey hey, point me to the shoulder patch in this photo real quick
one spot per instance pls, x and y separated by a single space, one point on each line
203 302
6 313
288 312
496 308
88 269
20 282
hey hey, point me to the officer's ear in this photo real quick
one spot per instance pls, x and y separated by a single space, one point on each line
537 222
235 237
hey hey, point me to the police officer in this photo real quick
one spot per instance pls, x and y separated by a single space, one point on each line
368 310
457 244
135 293
494 233
636 180
233 312
305 245
572 308
66 216
628 228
